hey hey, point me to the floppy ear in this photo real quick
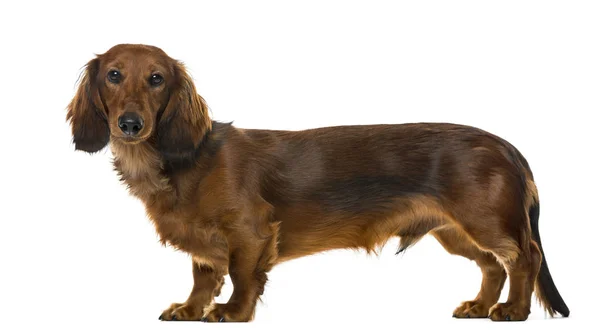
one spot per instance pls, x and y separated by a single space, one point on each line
184 122
86 113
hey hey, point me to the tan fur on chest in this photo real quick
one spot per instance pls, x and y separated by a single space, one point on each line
140 168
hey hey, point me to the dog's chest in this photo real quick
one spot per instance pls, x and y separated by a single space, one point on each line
192 235
140 168
170 205
173 228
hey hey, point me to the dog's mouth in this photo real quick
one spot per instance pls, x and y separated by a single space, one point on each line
130 140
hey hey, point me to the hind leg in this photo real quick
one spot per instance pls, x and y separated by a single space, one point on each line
510 242
522 275
493 274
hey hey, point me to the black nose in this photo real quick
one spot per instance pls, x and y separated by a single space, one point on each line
130 123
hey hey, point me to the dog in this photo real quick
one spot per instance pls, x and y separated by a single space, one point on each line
240 201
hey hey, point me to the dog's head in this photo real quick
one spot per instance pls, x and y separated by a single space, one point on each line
137 93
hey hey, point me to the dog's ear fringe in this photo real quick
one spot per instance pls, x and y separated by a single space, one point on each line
185 121
88 120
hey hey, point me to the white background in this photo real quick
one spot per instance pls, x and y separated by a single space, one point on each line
79 256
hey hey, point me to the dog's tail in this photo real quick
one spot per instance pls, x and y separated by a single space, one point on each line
546 291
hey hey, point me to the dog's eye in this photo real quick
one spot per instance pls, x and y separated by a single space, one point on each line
156 79
114 76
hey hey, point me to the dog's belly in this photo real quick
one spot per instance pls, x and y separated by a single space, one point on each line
311 228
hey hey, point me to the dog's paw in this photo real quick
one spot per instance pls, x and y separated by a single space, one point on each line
225 313
509 312
471 309
182 312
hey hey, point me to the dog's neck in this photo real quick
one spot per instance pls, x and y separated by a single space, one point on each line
140 167
148 175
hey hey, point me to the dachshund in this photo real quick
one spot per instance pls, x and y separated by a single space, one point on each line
240 201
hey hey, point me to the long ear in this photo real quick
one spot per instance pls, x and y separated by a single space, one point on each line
184 122
86 113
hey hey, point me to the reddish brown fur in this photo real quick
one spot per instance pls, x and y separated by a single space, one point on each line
240 201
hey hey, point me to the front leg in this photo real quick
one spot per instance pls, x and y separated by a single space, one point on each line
248 269
208 281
